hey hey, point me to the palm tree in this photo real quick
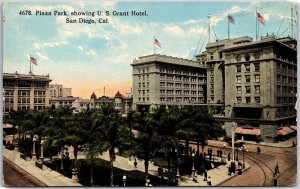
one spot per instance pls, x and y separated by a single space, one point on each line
112 131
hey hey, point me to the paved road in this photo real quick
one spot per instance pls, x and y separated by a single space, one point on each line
16 177
262 166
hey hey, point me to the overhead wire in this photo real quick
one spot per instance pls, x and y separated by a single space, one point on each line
199 40
281 21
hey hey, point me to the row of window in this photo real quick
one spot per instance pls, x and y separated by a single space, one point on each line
286 89
180 71
248 89
144 84
286 79
247 78
284 68
286 100
181 78
179 92
144 92
247 67
247 100
180 99
179 85
144 99
143 70
143 77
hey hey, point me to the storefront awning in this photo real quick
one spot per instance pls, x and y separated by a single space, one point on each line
294 127
282 132
254 131
288 130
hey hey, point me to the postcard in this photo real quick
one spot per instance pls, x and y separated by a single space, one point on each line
151 93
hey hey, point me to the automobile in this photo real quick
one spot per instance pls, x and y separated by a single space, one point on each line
10 147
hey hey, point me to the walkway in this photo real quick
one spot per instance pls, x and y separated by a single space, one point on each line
47 176
218 175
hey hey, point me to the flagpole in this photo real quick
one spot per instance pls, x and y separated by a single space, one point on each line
154 45
208 28
30 63
228 26
256 21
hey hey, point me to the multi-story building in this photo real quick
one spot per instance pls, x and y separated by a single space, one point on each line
62 101
162 81
256 81
59 91
22 91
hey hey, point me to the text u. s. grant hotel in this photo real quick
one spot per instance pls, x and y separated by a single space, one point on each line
161 81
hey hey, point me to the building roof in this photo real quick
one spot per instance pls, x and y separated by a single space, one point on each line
157 58
118 94
93 96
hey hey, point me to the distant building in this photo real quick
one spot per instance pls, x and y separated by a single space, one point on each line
162 81
254 82
62 101
119 102
25 91
80 105
59 91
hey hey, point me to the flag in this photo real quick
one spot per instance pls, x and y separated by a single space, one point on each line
156 42
231 19
33 61
260 18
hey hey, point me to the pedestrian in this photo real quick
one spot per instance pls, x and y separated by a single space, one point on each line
228 157
258 150
276 169
224 145
208 181
221 152
229 170
294 144
205 175
135 163
196 179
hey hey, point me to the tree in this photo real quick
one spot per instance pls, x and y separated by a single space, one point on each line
112 131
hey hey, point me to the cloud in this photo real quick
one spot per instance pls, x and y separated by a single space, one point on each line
41 56
173 29
122 59
90 52
197 30
49 44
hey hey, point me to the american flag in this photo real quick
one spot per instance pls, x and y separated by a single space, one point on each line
231 19
260 18
33 61
156 42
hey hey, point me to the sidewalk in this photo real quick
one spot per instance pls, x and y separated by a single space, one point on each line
281 144
47 176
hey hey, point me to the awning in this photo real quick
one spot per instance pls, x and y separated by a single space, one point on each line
294 127
282 132
288 130
240 130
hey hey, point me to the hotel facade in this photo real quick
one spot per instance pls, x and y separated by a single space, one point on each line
165 81
21 91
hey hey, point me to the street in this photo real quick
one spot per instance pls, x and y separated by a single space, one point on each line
262 165
16 177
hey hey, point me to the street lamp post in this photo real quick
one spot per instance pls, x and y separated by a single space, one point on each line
33 149
243 149
193 168
177 175
234 125
42 149
124 180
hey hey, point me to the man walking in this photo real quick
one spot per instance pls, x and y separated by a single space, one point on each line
276 170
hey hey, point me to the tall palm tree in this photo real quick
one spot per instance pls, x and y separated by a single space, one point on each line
112 131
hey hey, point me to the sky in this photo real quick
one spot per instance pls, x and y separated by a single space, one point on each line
89 57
